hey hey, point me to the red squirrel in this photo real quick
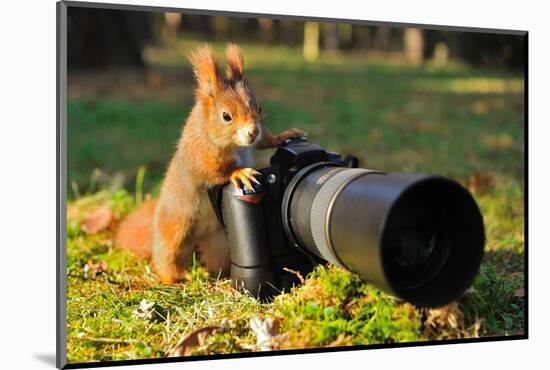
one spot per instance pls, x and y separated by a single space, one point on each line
226 117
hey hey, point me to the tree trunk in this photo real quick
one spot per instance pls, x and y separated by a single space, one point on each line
266 29
331 37
381 40
171 26
413 44
99 38
311 41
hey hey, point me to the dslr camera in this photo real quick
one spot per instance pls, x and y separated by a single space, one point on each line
418 237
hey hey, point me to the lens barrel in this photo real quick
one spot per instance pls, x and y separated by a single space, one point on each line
419 237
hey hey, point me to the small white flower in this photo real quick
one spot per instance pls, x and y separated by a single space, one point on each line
264 330
145 310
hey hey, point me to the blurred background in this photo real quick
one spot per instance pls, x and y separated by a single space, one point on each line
401 99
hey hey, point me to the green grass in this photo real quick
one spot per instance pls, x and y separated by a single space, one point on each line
454 120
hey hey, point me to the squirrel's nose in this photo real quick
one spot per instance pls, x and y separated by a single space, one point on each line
253 132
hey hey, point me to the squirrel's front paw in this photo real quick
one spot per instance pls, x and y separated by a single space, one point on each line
244 175
288 134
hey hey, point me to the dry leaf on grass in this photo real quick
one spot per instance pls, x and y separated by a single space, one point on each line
448 322
479 181
519 292
100 219
444 322
92 269
194 339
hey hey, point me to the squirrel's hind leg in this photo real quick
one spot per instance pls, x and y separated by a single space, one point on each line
172 249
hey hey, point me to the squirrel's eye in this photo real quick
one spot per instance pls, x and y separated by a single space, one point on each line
226 117
260 110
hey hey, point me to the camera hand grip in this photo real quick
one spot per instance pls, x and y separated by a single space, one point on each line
243 217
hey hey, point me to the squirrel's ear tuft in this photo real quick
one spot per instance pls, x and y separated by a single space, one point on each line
206 70
235 64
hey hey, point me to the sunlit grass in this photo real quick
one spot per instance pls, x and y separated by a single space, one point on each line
473 86
333 308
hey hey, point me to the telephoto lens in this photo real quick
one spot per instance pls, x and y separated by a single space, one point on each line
418 237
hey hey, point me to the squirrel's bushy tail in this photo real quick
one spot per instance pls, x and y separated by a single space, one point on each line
135 231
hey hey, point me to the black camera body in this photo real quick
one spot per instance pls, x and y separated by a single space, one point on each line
419 237
264 258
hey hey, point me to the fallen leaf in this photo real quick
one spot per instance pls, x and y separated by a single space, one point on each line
99 220
479 181
480 107
519 292
95 268
444 322
194 339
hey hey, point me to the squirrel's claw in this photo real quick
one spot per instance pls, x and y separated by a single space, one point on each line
244 175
